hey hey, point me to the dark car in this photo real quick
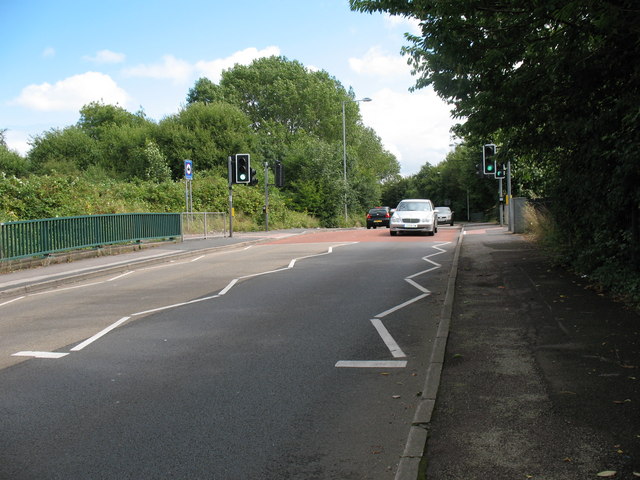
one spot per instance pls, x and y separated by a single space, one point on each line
445 215
378 217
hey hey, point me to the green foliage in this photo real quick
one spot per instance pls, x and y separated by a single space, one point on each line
206 133
274 109
157 168
204 91
556 86
67 151
276 90
12 163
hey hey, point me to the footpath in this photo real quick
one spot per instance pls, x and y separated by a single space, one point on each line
541 376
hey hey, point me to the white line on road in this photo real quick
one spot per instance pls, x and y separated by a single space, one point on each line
402 305
99 334
30 353
393 347
10 301
391 344
120 276
371 364
231 284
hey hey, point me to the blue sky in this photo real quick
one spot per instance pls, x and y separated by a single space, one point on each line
57 56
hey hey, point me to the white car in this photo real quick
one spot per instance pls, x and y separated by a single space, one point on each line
414 215
445 215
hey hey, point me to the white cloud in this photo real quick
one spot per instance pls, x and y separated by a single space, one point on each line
213 69
72 93
376 62
49 52
413 126
18 141
106 56
171 68
411 24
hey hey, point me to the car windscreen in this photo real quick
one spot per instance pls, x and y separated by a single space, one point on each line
414 206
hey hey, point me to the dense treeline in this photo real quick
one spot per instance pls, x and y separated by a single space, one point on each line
556 85
275 109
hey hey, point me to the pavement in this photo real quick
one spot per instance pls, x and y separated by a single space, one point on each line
540 377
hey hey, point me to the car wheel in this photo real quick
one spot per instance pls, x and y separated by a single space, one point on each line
393 234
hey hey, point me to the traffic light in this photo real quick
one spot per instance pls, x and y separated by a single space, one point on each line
279 174
479 172
252 177
242 166
488 159
501 170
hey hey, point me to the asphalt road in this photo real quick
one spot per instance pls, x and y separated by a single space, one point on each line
301 358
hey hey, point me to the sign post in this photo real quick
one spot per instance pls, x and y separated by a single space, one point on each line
188 192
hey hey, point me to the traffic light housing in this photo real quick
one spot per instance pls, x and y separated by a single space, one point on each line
279 174
241 172
488 159
501 170
252 177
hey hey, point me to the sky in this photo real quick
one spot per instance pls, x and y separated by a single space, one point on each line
57 56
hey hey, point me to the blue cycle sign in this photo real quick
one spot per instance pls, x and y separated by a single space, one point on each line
188 169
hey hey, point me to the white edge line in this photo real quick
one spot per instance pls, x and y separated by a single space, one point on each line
11 301
402 305
388 340
371 364
120 276
228 287
57 290
417 285
30 353
99 334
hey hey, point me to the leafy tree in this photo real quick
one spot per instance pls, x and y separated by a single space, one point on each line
157 168
206 133
11 162
65 150
204 91
558 82
96 117
278 90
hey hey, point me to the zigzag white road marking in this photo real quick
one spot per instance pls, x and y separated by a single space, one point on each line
106 330
391 344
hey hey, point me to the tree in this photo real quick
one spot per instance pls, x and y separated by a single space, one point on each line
204 91
559 82
206 133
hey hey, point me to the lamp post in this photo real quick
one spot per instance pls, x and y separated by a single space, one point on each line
344 151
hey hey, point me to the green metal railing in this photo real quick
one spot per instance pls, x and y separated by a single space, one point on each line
41 237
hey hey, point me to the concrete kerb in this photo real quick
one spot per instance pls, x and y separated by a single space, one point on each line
125 267
409 466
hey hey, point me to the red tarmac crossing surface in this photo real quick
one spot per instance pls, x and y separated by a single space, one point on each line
446 234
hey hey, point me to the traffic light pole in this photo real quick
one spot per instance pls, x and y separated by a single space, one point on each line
230 197
266 196
510 209
501 200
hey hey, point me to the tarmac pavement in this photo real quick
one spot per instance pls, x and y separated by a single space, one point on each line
541 375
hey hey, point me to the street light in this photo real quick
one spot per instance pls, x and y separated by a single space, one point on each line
344 151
